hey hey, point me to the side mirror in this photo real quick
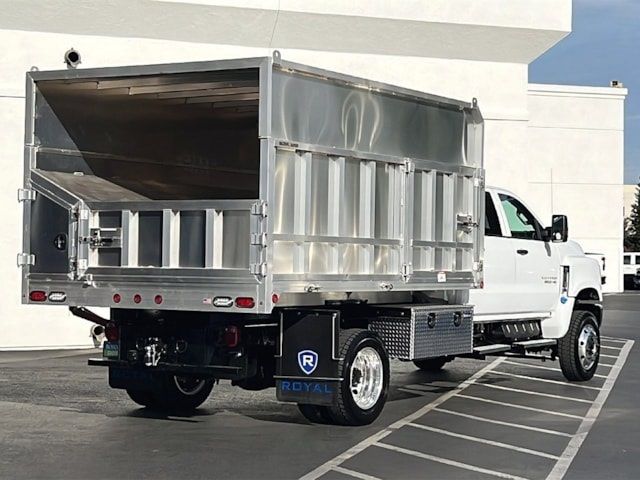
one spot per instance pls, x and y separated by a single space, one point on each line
559 228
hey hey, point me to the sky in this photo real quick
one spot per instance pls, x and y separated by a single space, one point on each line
604 46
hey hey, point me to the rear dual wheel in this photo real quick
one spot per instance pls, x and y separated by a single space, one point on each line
432 364
173 393
362 393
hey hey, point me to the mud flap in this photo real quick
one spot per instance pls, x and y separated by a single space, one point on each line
307 368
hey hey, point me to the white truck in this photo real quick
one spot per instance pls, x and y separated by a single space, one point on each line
279 225
631 270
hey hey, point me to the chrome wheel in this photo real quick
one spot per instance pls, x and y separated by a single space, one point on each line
188 385
366 378
588 346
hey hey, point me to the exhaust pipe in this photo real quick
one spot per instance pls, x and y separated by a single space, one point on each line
97 331
97 335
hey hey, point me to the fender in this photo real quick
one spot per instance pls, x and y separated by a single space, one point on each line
581 288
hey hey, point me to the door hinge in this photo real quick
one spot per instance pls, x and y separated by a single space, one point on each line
259 239
465 222
407 270
26 195
26 259
409 166
259 209
259 269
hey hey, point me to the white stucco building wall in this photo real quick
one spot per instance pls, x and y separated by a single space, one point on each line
576 165
457 48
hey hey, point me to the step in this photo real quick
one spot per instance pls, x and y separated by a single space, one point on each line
488 349
541 342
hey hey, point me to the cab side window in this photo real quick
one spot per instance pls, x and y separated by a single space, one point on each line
627 259
521 221
491 222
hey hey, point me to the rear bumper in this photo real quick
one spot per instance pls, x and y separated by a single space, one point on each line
210 371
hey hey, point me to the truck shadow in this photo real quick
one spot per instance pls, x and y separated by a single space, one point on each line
420 384
407 385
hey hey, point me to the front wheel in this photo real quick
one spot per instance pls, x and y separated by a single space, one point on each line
364 370
579 349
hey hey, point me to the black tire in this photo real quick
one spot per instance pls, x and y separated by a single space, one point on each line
346 411
143 398
315 413
431 364
174 394
575 366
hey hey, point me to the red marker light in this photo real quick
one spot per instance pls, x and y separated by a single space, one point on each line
112 332
157 299
38 296
275 298
231 336
137 298
245 302
116 298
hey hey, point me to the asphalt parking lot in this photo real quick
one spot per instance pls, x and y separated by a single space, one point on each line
498 418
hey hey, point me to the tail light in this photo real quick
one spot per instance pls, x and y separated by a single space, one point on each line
231 336
137 298
245 302
116 298
112 332
38 296
157 299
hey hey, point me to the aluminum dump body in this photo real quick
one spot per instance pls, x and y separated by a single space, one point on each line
185 186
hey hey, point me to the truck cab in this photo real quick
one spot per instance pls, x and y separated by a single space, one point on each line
532 273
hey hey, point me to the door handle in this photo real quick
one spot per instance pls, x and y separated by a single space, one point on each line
522 252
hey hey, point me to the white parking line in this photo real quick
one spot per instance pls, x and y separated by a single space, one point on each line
610 365
556 382
354 474
521 407
541 367
563 461
614 339
611 348
367 442
608 356
500 422
575 443
485 441
446 461
531 392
